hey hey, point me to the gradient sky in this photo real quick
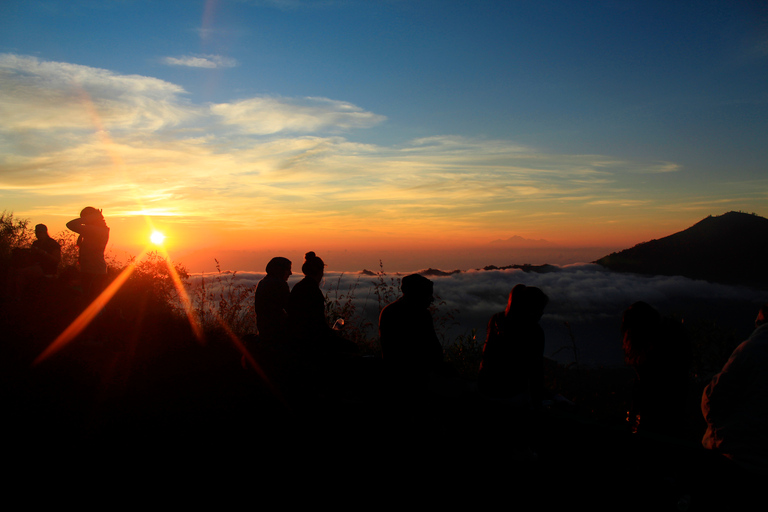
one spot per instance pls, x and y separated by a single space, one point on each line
378 128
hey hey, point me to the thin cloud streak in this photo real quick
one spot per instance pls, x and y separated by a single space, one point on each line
201 61
267 115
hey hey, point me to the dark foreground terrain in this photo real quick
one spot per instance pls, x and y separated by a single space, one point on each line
137 402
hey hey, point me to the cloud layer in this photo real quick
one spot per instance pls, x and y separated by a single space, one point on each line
588 297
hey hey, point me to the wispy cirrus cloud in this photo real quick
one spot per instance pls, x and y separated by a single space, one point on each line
42 95
201 61
267 115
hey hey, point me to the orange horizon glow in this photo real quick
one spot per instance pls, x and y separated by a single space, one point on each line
188 238
195 245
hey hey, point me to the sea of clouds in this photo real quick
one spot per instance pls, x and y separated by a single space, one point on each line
585 307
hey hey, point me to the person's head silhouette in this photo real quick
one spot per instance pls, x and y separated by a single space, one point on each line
279 267
313 267
417 290
91 215
41 231
526 302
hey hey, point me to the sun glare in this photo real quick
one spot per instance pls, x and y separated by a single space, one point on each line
157 238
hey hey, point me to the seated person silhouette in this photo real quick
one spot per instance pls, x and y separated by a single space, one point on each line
46 251
512 364
271 301
660 353
409 345
40 260
735 403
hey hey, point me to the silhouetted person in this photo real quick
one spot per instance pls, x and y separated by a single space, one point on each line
409 344
40 260
512 365
94 235
46 251
735 403
306 314
271 301
660 353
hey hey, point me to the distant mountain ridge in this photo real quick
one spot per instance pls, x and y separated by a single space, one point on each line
731 248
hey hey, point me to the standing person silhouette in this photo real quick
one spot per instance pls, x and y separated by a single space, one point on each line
306 315
409 344
512 373
513 354
271 300
306 306
94 235
659 351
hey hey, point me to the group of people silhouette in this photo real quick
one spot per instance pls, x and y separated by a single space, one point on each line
42 259
512 370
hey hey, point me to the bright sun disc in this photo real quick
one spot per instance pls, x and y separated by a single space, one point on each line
157 238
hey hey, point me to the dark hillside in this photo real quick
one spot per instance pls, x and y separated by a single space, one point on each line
731 248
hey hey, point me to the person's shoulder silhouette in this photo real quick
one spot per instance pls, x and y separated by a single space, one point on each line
735 402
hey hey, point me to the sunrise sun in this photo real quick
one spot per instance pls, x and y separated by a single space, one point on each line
157 238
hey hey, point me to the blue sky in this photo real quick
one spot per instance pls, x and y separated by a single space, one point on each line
394 122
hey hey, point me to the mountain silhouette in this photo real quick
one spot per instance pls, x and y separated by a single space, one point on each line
731 248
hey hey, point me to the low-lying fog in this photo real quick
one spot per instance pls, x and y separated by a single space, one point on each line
586 296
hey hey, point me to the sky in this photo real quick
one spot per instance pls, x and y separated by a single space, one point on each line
420 133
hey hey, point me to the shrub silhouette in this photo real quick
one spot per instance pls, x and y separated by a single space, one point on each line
14 233
231 306
151 284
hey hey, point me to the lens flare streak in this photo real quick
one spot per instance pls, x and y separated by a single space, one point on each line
93 309
87 316
186 303
197 327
